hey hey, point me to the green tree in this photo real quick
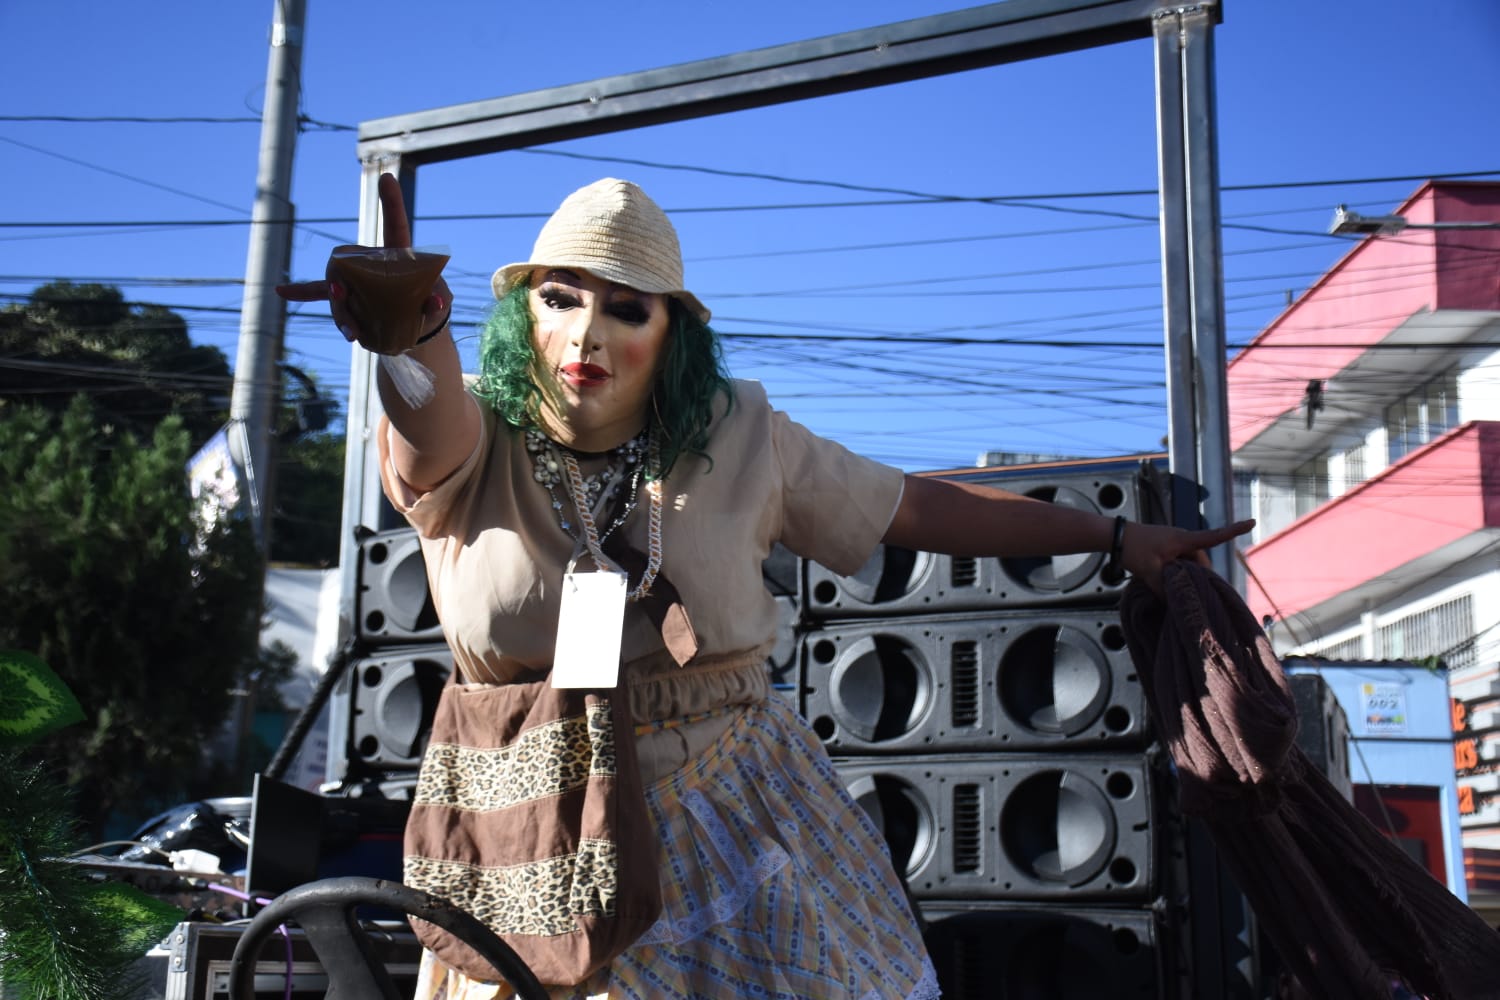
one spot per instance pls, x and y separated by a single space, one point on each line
306 516
138 364
63 936
102 402
100 576
136 361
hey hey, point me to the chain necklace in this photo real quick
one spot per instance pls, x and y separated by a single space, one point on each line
591 536
626 463
597 490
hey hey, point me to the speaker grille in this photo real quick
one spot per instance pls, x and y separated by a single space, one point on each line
1006 681
393 699
901 582
1005 826
964 678
968 829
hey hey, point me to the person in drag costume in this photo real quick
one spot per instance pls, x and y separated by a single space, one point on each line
601 425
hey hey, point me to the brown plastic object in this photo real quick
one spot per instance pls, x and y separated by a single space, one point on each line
387 287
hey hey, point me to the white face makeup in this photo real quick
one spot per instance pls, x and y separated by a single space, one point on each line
599 346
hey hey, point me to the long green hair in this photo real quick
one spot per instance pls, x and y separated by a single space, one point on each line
692 374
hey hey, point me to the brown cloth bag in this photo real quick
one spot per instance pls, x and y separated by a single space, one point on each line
1344 906
530 814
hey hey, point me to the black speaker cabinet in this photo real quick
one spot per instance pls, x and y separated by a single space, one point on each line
1322 729
392 601
1061 827
392 700
901 582
1009 681
1046 953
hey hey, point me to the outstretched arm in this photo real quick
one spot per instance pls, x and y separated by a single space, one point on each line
963 519
430 442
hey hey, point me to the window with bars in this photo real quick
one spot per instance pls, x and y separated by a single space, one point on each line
1354 464
1446 630
1348 649
1310 485
1425 413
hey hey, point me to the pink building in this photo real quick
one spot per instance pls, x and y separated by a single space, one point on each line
1365 432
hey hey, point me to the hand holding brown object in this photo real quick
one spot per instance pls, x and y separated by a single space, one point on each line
383 298
387 289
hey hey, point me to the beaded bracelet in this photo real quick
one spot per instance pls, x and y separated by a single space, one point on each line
1113 572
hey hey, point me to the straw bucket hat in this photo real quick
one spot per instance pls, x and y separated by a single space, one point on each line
613 230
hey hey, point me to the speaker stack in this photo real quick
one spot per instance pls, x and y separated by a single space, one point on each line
383 708
984 712
987 716
385 703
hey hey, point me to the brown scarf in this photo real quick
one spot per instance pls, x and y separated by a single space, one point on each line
1344 906
662 605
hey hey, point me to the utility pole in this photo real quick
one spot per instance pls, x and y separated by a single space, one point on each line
257 379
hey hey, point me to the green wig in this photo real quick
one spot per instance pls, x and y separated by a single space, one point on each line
692 374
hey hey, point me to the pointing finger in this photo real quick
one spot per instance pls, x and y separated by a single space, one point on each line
1236 529
305 291
393 209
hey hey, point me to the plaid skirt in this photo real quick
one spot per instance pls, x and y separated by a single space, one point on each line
775 885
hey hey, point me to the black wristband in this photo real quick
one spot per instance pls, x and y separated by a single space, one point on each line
439 329
1113 572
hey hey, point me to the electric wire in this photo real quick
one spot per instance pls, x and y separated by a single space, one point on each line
920 343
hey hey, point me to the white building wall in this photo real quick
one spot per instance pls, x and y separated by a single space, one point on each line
1479 388
1275 505
1473 579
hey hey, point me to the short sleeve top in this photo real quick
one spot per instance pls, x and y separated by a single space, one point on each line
495 552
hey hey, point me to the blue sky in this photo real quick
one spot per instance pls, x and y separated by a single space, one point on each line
1319 104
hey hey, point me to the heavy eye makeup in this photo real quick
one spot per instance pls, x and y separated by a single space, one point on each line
625 308
629 310
558 297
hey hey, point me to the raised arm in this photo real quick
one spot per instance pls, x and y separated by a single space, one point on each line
963 519
430 442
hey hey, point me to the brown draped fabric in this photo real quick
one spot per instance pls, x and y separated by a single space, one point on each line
662 603
1345 907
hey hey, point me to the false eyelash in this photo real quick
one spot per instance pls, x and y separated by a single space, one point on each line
555 297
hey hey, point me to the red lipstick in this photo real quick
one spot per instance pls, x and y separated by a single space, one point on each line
582 374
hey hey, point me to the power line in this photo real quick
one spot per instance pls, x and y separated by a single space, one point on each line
305 120
1139 192
1030 201
304 123
131 119
121 174
122 282
903 340
149 183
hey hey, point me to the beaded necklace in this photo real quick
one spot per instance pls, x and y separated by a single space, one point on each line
597 490
594 492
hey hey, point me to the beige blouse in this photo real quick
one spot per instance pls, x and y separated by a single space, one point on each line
495 552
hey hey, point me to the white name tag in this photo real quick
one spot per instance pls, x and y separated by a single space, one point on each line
589 627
